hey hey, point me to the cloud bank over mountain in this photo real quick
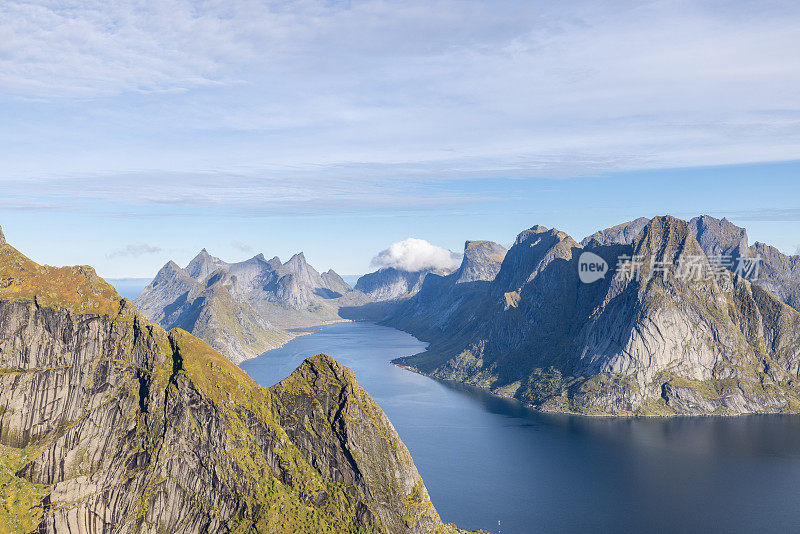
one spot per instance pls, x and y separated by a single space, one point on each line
416 255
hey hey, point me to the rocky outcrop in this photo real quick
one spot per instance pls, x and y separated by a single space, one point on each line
390 283
244 309
719 237
447 302
779 273
630 343
481 262
620 234
109 423
725 244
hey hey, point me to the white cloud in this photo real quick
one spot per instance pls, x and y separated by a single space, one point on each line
416 255
242 246
134 251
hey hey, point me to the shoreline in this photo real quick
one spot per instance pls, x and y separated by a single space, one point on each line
590 415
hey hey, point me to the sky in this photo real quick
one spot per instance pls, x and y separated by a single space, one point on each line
132 133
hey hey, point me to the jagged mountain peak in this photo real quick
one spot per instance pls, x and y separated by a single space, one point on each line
719 236
298 258
622 234
171 266
664 236
2 236
532 252
203 264
533 231
481 261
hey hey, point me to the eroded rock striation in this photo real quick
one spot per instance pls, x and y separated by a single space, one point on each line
651 343
108 423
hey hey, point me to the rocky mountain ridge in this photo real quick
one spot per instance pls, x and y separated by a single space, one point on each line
246 308
392 284
652 344
727 243
110 423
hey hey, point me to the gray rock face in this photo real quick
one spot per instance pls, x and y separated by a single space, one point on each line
2 236
779 273
244 309
623 344
442 299
723 240
719 237
119 426
621 234
389 283
481 262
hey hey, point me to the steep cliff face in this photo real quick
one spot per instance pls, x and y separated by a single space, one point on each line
725 242
780 273
244 309
620 234
481 262
719 237
109 423
653 343
449 302
389 283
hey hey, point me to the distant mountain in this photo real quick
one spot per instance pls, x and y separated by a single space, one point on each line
654 343
726 243
246 308
390 283
110 424
444 301
719 237
621 233
780 274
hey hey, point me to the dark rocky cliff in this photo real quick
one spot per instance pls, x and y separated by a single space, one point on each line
653 344
110 424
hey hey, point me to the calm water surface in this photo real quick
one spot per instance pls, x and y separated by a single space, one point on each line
486 459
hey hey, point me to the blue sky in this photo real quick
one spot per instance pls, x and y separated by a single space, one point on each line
137 132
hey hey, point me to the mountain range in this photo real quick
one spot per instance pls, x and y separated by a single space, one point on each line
109 423
244 309
652 344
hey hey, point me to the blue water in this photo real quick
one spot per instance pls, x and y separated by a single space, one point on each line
485 459
128 288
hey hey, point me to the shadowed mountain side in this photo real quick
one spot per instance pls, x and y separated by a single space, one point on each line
725 243
659 344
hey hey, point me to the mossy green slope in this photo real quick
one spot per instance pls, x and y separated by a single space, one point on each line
110 423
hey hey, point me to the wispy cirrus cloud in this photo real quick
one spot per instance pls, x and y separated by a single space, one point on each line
769 214
252 107
133 251
242 246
